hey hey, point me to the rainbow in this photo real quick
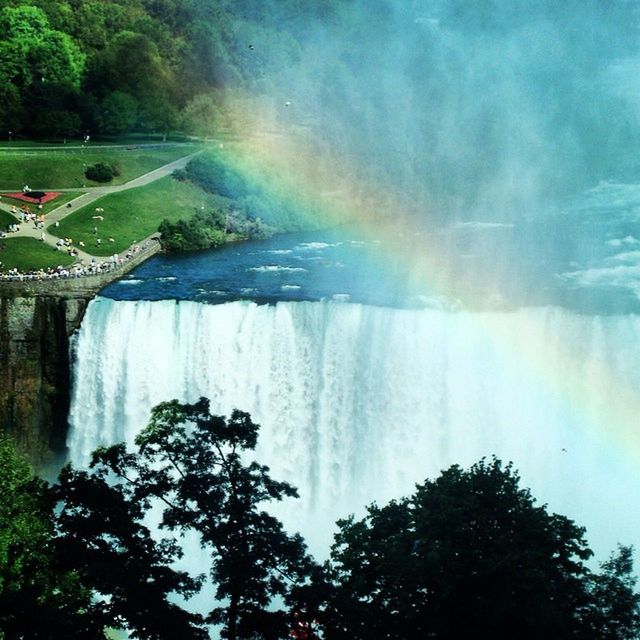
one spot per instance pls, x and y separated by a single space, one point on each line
329 189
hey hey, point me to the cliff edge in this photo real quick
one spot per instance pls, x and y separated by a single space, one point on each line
37 320
35 371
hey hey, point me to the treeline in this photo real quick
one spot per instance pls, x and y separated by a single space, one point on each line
79 67
468 554
250 206
465 79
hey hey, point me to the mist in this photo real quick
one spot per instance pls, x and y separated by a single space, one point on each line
492 109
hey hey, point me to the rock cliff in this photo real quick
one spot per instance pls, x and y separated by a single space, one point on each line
37 320
35 370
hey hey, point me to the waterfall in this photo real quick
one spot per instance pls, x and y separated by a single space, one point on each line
358 403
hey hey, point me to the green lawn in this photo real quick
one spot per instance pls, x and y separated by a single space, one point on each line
132 215
29 253
6 219
64 197
65 170
36 144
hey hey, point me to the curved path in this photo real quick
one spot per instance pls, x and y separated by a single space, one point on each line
28 230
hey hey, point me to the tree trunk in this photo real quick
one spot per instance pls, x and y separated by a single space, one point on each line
232 622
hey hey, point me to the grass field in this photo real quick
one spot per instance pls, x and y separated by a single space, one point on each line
132 215
6 219
65 170
28 253
64 197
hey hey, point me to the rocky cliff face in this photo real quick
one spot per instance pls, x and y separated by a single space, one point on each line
37 319
35 371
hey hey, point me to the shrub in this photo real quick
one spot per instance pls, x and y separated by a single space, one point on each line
180 175
102 172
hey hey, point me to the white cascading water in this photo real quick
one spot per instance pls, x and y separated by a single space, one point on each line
358 403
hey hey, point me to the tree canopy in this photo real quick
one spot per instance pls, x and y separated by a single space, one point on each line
39 597
32 52
193 462
468 554
169 59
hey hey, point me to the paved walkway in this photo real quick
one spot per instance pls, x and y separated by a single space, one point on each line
61 148
28 230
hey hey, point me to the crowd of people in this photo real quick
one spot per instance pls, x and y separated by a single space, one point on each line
81 268
78 270
25 215
66 244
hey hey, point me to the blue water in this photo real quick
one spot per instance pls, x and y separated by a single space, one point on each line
585 257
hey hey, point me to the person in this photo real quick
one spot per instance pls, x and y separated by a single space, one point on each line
42 236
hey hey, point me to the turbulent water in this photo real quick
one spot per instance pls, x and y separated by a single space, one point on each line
359 402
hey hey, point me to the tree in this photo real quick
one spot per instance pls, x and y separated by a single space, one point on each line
470 555
148 80
102 537
39 598
193 463
159 116
102 172
204 115
31 52
87 565
614 603
118 113
11 110
57 123
214 173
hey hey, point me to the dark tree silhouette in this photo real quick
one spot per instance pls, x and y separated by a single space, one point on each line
470 555
101 536
39 598
193 463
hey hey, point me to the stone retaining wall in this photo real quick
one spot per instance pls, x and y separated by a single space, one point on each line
79 287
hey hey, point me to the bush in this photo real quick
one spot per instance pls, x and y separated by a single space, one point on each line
180 175
205 230
102 172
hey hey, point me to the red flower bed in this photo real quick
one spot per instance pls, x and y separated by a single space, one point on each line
27 197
